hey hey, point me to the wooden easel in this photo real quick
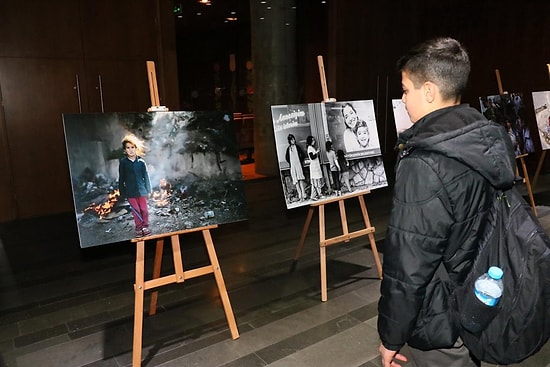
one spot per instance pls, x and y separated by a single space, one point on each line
153 88
179 276
346 235
323 78
520 157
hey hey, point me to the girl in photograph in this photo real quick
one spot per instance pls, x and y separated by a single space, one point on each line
528 145
316 175
133 182
334 167
344 168
350 120
513 137
295 157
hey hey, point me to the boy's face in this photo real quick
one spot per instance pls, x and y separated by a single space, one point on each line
130 150
413 98
363 136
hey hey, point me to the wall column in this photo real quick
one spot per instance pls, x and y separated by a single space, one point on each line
273 32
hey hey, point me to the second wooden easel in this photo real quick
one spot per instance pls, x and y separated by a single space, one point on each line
346 235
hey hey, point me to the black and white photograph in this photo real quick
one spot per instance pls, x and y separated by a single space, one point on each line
541 102
137 174
313 161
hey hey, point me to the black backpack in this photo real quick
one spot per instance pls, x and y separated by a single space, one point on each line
520 323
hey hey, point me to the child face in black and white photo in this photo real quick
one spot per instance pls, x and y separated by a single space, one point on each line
363 135
350 116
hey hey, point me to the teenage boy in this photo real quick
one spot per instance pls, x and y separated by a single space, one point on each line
450 164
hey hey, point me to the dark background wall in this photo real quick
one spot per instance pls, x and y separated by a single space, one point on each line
366 39
360 42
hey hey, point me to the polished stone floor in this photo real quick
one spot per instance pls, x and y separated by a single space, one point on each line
62 306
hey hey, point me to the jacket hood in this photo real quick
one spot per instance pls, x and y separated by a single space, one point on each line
463 133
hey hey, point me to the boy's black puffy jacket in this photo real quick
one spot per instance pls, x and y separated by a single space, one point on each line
449 164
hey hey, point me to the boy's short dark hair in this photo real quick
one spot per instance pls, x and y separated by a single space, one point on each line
442 61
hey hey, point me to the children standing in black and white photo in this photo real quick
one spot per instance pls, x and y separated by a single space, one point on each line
334 167
295 156
315 172
344 168
133 182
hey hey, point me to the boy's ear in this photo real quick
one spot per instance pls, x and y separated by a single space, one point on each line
430 91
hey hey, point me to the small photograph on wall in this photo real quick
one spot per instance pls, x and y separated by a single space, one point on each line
509 111
541 103
401 116
313 162
140 174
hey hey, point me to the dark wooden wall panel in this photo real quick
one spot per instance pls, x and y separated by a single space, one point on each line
40 28
41 90
69 56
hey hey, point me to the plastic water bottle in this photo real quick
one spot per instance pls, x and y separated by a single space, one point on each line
488 287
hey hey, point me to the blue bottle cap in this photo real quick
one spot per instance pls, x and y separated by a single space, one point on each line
495 272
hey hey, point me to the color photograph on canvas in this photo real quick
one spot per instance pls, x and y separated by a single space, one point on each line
138 174
509 111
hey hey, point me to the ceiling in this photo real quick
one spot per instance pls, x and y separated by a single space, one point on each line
219 13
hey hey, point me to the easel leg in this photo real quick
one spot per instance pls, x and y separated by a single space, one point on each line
221 284
302 238
138 303
371 236
178 261
323 262
156 274
322 253
343 219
